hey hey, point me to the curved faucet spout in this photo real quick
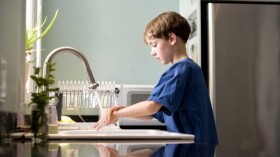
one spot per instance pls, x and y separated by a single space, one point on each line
75 52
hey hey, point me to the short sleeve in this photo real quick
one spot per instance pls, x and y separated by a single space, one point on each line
169 92
159 116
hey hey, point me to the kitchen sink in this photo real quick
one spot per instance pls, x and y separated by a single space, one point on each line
113 132
119 134
84 131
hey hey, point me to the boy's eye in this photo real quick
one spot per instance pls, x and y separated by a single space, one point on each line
154 45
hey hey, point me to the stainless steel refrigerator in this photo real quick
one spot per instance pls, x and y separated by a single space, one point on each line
242 45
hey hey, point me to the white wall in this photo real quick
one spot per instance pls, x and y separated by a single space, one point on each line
110 34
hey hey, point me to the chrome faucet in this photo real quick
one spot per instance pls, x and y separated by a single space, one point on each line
49 58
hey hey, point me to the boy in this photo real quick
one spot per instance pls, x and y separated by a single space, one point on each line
180 99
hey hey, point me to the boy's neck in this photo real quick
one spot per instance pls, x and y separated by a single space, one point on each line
181 53
179 58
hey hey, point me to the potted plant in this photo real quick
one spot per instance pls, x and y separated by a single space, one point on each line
40 101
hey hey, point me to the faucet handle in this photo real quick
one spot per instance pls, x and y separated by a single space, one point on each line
93 86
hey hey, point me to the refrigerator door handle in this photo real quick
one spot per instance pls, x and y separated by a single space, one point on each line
211 48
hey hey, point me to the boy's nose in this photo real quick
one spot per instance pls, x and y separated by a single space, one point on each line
153 53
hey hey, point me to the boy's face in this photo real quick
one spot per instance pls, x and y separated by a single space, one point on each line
162 49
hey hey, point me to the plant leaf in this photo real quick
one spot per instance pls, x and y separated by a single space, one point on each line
31 34
49 27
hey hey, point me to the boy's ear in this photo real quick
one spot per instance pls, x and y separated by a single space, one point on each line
172 38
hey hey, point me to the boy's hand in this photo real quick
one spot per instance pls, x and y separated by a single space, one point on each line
108 117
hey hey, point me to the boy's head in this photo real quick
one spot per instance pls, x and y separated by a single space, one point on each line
166 23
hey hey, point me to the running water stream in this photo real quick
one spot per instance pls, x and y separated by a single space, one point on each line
98 102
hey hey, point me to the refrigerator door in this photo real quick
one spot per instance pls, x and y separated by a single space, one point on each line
244 75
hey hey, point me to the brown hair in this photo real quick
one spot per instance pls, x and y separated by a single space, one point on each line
165 23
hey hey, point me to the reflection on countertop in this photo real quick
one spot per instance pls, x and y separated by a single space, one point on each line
116 148
107 149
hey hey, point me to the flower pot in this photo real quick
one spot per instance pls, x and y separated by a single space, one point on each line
39 124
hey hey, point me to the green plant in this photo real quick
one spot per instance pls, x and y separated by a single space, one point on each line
40 99
31 33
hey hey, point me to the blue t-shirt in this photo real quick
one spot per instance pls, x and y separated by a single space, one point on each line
186 107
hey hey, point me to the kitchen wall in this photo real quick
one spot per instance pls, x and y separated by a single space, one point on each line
110 34
190 9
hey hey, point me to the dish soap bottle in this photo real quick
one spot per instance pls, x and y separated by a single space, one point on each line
53 120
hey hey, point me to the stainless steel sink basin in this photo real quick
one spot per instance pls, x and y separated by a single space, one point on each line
119 134
84 131
111 132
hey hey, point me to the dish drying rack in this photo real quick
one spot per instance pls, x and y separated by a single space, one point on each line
76 94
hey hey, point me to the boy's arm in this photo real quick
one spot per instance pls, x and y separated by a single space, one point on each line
141 109
144 118
118 107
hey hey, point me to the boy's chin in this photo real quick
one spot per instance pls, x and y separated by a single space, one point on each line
164 62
